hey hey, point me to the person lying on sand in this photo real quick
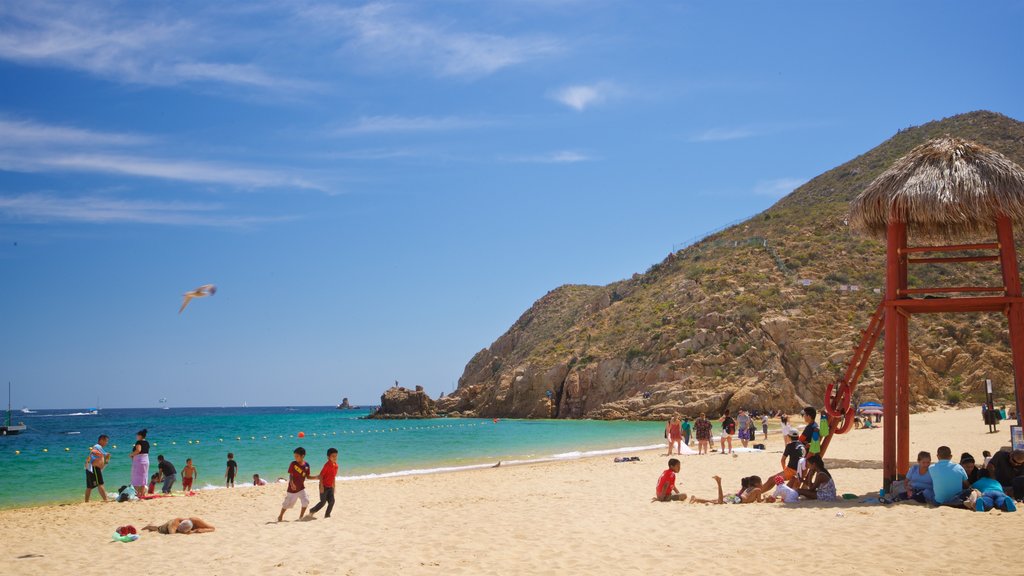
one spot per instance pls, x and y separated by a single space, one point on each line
190 525
751 492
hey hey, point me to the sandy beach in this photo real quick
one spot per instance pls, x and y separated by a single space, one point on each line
581 516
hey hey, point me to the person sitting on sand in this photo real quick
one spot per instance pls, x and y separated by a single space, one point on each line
783 492
974 472
750 492
666 489
1008 469
819 484
919 481
190 525
949 479
791 456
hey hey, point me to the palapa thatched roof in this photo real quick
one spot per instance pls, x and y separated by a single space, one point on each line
944 188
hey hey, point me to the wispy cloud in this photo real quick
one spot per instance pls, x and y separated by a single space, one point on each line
723 134
117 43
557 157
47 208
29 146
581 97
27 132
779 187
387 34
392 124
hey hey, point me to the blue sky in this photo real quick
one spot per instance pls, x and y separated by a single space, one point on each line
379 189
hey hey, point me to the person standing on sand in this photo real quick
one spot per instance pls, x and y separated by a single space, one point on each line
810 436
94 463
229 473
188 475
298 472
686 427
764 425
674 433
702 429
328 474
140 463
743 424
728 429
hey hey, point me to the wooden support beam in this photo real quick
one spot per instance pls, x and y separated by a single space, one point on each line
952 259
952 248
950 290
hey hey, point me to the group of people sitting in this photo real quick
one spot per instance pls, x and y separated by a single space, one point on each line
994 484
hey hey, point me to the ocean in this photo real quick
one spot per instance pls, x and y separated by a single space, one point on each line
45 463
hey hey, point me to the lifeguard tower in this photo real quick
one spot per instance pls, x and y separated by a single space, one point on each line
944 191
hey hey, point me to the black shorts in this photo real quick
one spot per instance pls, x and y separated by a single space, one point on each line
94 478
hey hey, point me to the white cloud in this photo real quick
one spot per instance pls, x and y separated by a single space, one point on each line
102 210
392 124
779 187
111 42
581 97
382 34
29 133
558 157
723 134
28 146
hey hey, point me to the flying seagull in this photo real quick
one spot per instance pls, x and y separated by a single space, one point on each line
201 292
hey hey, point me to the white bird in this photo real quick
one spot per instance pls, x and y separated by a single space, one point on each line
201 292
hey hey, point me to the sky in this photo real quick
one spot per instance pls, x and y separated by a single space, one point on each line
380 189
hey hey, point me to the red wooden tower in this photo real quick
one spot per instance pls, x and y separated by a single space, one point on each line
946 190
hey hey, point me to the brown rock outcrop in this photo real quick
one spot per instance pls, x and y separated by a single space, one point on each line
400 402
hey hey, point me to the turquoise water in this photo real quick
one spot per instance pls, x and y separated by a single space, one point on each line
262 440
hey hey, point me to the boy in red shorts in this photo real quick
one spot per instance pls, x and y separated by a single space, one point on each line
188 474
666 489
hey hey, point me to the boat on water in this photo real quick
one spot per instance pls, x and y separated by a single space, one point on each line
11 429
25 410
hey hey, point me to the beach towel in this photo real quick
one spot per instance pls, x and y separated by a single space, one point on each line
140 470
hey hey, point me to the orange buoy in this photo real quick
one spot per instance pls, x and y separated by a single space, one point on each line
302 434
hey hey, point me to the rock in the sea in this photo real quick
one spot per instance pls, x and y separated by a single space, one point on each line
400 402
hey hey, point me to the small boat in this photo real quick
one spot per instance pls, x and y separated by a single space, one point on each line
25 410
245 404
11 429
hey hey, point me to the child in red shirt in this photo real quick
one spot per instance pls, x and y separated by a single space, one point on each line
327 475
666 489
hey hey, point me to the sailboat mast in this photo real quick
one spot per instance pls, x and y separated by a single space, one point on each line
8 404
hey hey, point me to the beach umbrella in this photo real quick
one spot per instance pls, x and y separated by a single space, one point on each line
870 405
945 188
870 411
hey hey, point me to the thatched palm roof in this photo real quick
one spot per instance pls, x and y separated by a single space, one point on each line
944 188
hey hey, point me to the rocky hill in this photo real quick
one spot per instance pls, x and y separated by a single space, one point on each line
761 315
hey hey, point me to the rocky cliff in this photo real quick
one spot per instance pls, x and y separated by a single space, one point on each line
761 315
